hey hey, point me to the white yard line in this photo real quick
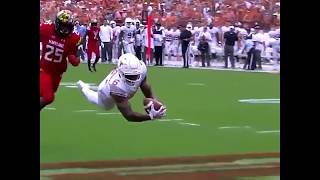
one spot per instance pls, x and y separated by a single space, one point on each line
260 101
195 84
50 108
108 113
271 131
165 120
189 124
234 127
85 110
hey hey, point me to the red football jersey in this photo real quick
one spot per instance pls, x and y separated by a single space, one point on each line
93 33
55 49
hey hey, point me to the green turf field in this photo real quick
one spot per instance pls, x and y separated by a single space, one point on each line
206 99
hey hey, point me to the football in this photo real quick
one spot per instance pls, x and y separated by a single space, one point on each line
147 102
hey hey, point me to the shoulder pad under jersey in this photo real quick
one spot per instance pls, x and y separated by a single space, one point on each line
114 89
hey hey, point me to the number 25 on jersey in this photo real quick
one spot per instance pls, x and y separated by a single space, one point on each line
53 54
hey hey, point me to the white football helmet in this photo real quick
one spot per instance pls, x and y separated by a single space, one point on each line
131 69
113 24
189 27
128 22
137 22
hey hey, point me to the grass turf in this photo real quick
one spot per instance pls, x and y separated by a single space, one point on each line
205 97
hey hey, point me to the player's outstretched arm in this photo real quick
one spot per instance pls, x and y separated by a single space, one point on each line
146 89
127 112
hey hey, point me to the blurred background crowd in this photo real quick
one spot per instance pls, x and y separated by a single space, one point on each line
171 12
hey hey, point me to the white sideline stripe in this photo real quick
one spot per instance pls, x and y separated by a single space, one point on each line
85 110
170 120
190 124
272 131
71 86
92 87
50 108
107 113
245 100
260 101
233 127
196 84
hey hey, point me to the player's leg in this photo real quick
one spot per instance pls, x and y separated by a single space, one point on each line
46 89
126 48
92 96
89 55
138 52
97 53
96 97
132 48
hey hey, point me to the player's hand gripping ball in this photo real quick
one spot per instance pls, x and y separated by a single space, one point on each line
154 108
147 102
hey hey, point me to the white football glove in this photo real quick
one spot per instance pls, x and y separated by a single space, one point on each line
102 45
154 114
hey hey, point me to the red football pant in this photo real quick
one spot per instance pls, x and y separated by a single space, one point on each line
91 49
48 86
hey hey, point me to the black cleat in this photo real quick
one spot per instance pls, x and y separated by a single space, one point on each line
94 68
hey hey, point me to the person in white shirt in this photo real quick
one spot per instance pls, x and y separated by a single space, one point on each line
106 35
213 44
168 44
259 43
127 36
204 32
249 49
158 37
145 46
176 45
116 48
138 40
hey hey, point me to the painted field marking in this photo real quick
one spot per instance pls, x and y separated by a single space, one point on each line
85 110
165 120
178 168
50 108
108 113
195 84
95 88
271 131
234 127
260 101
189 124
71 86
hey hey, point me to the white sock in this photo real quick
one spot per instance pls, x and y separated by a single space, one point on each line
92 96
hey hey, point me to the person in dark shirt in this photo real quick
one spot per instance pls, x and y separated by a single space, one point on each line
185 38
203 47
230 37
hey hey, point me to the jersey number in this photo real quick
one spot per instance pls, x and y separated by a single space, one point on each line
129 35
57 54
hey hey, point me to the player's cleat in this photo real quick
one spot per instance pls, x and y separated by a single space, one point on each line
94 68
82 85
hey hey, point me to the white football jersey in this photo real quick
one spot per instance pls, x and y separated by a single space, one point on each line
213 33
128 33
116 33
168 35
114 84
176 35
196 34
224 29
